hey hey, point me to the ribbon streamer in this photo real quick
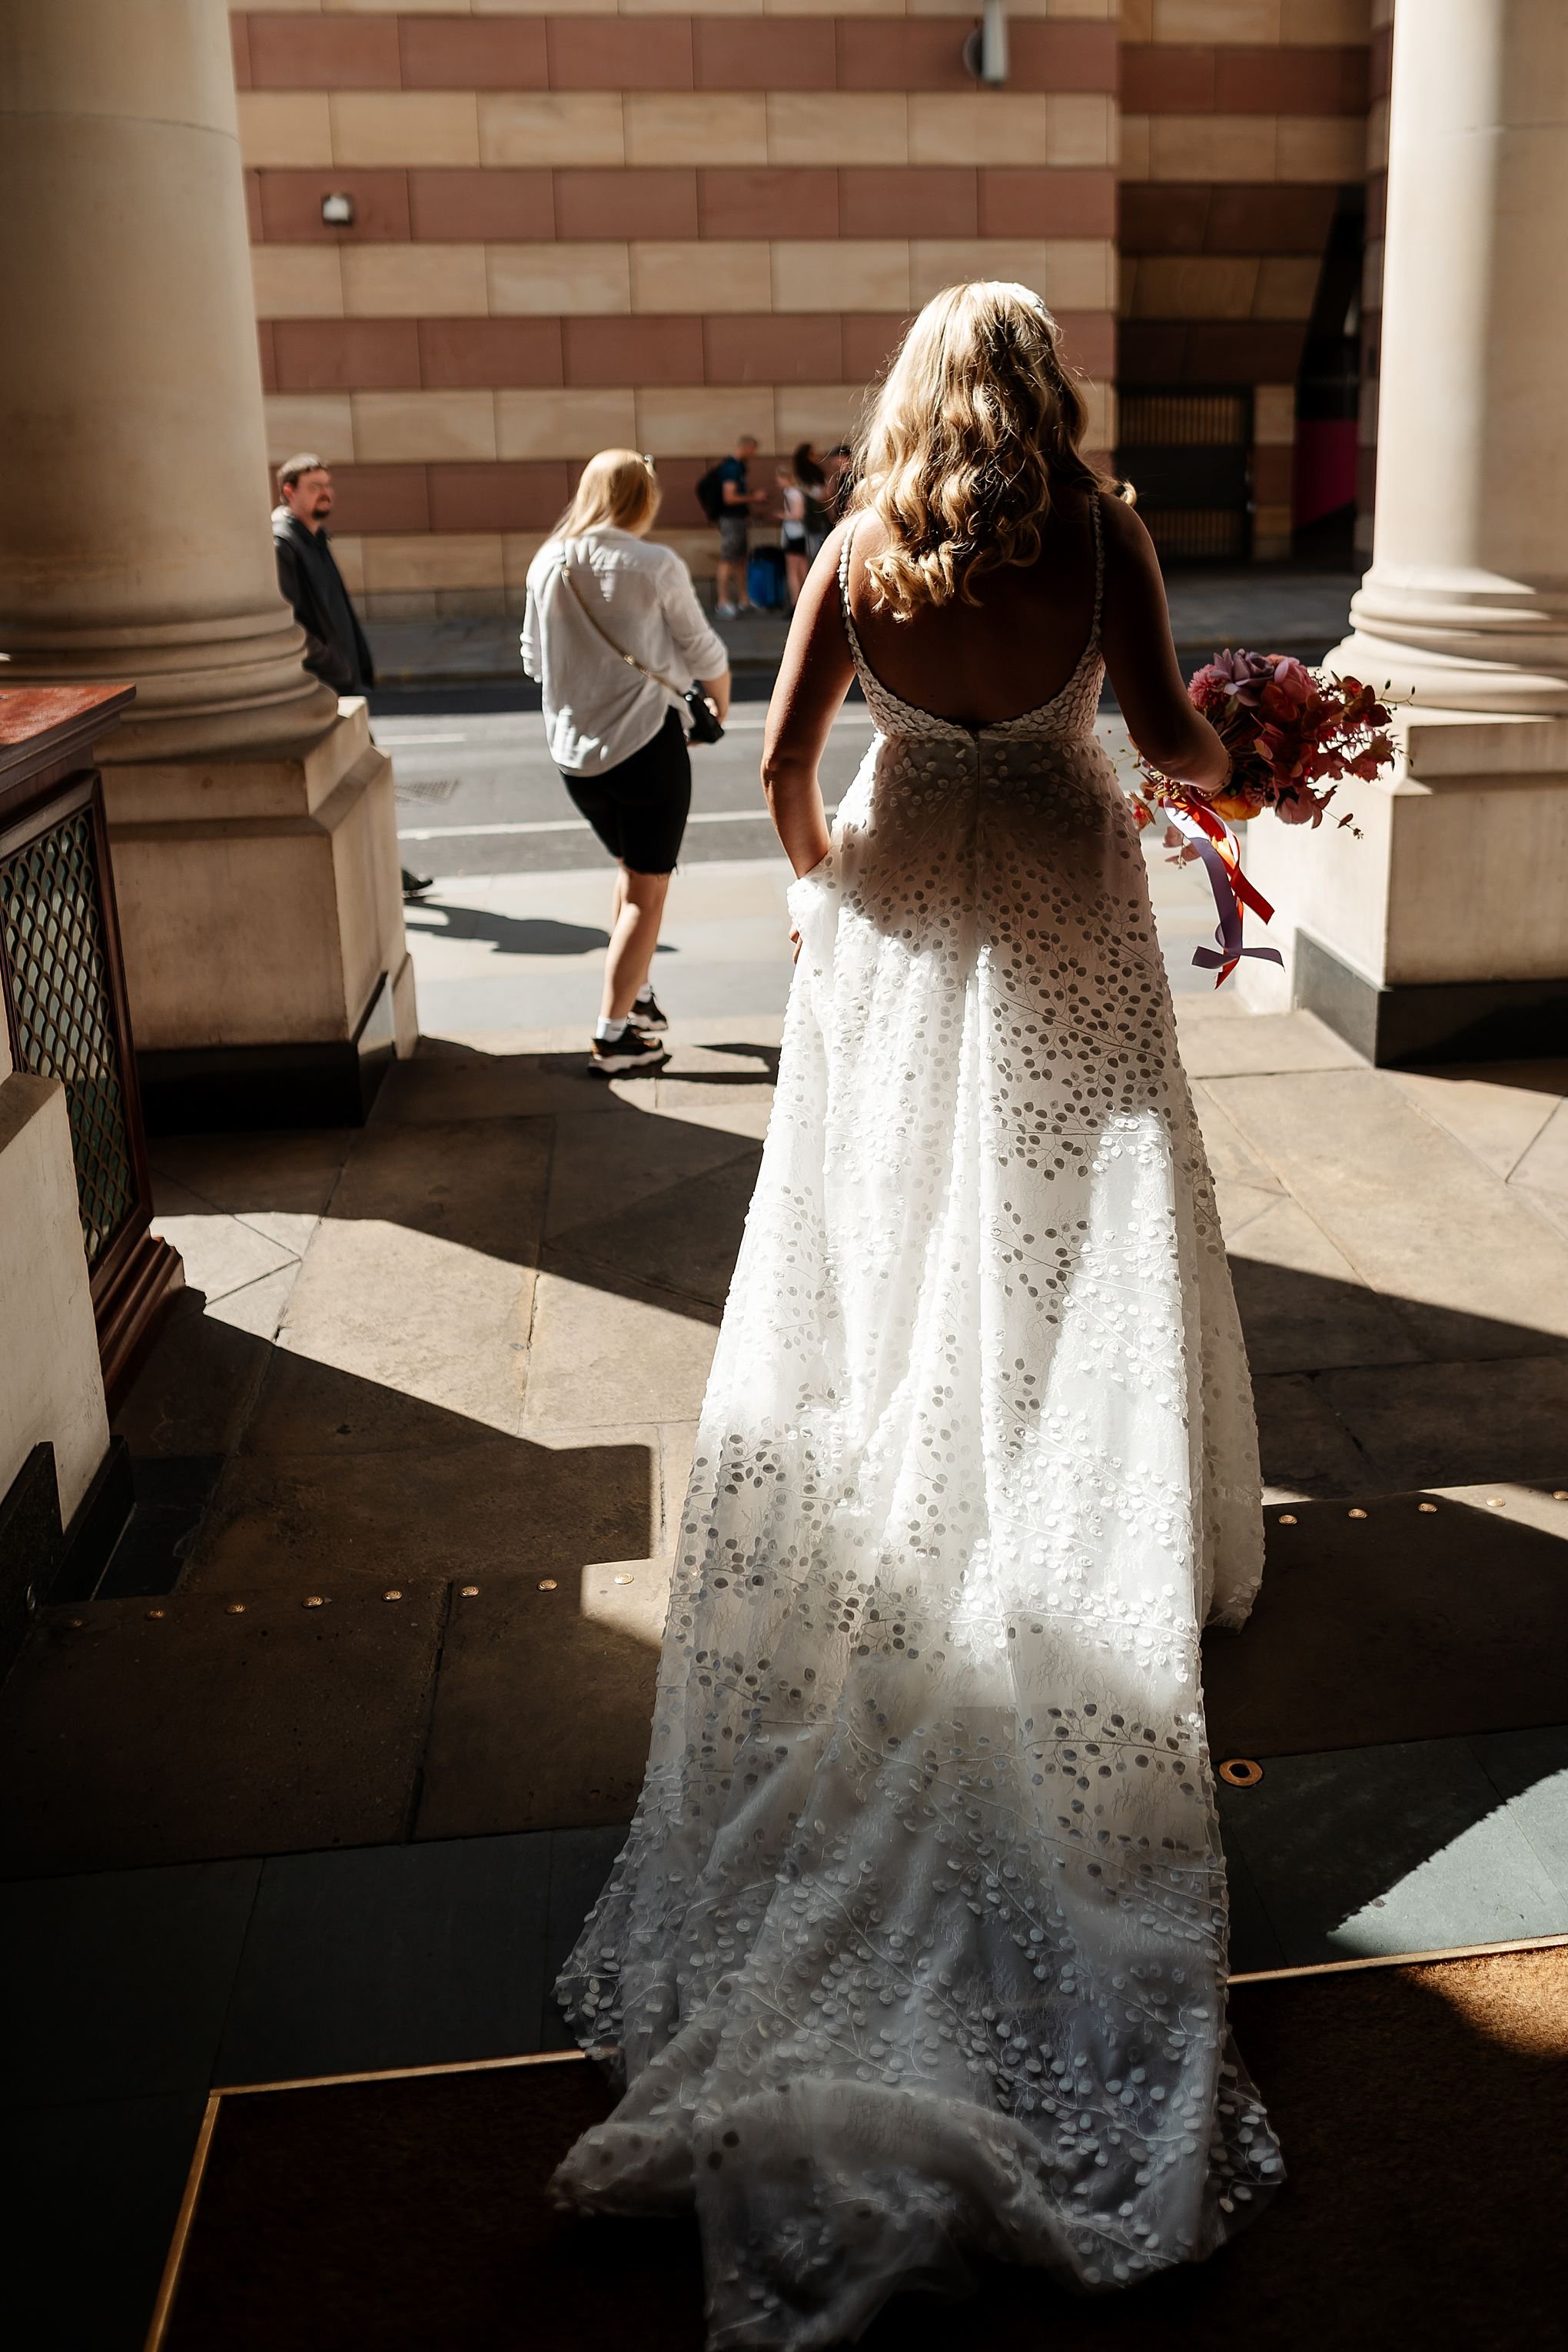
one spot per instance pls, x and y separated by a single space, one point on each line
1221 854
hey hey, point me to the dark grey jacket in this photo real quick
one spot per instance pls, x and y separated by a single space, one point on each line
312 586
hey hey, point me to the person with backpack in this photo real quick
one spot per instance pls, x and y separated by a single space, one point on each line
608 618
726 497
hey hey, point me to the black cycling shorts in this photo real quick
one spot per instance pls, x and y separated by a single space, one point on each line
638 808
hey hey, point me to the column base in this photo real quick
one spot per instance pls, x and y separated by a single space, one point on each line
1436 931
1446 1021
218 1089
261 913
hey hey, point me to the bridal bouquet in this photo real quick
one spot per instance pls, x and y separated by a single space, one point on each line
1293 735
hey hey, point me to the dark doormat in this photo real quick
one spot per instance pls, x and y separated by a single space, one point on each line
1400 1617
1423 2112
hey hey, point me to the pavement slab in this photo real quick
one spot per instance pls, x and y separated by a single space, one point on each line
1415 1618
390 1956
1543 1166
1232 1159
242 1725
1474 1270
451 1079
221 1253
1303 1305
428 1320
1392 1849
1496 1109
682 1240
194 1389
598 1174
1448 1423
1304 1446
400 1513
125 1977
610 1348
278 1182
543 1711
1219 1039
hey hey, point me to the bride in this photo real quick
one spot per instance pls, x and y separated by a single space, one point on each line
918 1943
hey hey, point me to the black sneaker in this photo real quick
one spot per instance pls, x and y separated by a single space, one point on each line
647 1014
630 1051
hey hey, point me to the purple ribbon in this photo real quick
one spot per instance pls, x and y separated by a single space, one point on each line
1228 930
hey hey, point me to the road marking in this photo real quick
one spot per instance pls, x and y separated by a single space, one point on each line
574 824
414 742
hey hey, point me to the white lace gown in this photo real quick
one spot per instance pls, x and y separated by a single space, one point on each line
918 1943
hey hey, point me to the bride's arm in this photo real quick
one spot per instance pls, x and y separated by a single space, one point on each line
1135 631
813 678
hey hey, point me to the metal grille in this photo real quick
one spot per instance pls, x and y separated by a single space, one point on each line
65 1012
1183 420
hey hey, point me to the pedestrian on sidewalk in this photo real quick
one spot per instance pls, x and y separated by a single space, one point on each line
336 650
792 531
736 501
608 618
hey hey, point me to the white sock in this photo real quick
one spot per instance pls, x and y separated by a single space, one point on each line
609 1032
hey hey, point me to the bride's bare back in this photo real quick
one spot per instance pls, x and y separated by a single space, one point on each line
1001 656
983 663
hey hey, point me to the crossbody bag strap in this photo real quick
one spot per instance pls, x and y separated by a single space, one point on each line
630 660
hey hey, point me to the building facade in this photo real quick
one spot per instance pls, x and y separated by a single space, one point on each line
561 228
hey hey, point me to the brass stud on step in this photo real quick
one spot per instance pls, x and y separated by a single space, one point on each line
234 1609
625 1579
547 1585
1560 1494
1286 1519
78 1621
1241 1772
1425 1507
315 1601
157 1612
1357 1514
1496 1503
395 1593
470 1591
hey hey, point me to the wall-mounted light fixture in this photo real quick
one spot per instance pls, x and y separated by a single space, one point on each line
985 50
338 211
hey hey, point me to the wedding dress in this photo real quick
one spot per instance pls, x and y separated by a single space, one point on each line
917 1943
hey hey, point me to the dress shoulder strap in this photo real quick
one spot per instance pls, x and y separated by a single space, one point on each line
849 630
1094 499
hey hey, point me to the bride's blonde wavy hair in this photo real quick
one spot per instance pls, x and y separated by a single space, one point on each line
974 425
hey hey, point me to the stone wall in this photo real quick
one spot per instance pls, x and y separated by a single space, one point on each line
1240 121
658 229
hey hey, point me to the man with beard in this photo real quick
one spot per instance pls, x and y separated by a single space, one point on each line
313 587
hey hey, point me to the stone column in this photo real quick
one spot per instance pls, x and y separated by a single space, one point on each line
1441 933
254 835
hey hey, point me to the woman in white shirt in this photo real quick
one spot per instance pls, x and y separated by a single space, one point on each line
608 619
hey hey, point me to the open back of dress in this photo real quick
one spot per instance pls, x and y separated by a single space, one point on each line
918 1939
